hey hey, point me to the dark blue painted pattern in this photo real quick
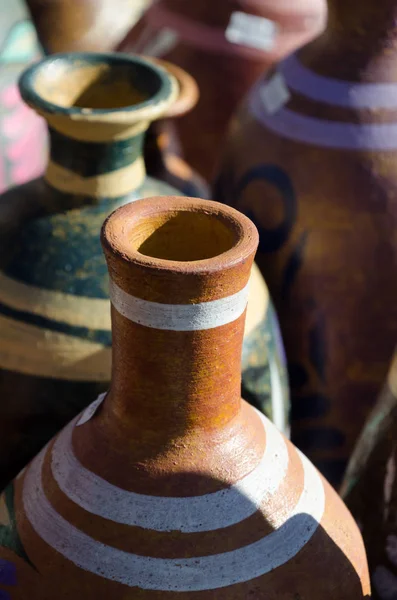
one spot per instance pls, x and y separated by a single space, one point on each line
65 247
271 240
93 335
92 158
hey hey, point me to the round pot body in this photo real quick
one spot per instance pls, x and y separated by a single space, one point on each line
171 486
84 25
311 159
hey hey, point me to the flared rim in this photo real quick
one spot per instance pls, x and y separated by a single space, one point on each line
28 84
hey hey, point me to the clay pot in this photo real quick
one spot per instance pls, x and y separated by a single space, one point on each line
170 486
55 332
370 488
83 25
312 159
225 61
22 133
162 151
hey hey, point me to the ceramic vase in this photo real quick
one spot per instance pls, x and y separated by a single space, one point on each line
83 25
225 45
370 490
170 486
162 151
55 337
312 158
23 143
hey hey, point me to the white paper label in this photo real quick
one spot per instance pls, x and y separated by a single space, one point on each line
274 93
250 30
91 410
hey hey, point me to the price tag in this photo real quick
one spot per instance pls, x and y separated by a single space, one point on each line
274 93
250 30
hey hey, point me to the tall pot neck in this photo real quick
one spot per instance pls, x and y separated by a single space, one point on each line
112 167
360 42
177 328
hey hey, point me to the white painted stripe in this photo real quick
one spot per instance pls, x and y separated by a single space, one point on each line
179 317
108 185
348 94
277 396
90 411
32 350
188 515
80 311
327 134
182 574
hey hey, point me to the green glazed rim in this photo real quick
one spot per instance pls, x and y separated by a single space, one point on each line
157 75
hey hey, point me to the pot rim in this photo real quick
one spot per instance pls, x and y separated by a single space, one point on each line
149 109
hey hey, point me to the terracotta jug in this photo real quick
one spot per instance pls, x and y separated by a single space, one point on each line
225 45
169 486
54 310
22 133
83 25
312 158
370 489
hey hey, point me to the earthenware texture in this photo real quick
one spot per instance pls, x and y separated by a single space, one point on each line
311 158
225 45
169 486
84 25
55 335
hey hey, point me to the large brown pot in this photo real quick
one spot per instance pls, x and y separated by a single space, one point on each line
312 158
169 486
370 489
224 61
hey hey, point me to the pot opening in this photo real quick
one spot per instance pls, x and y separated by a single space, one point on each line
183 236
99 85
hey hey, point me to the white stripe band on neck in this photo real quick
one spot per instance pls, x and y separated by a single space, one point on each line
179 317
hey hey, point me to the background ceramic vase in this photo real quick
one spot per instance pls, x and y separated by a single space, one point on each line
55 325
224 61
161 149
83 25
171 486
312 159
370 489
22 133
54 311
100 25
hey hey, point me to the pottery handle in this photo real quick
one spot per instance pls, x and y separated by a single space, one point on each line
188 89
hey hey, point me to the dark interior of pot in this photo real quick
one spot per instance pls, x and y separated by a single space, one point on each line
96 85
183 236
